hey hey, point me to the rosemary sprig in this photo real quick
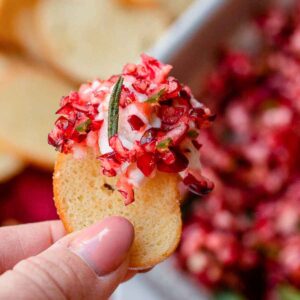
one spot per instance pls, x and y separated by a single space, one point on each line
113 110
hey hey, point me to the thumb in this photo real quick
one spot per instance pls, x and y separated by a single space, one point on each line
84 265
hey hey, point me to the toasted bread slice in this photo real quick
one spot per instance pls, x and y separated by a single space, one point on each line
9 10
26 99
26 33
83 196
174 7
6 67
91 39
10 165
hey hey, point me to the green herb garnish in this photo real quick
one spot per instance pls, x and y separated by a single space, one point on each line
192 134
84 126
155 98
164 144
113 110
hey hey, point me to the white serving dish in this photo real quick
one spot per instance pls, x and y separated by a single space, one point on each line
189 45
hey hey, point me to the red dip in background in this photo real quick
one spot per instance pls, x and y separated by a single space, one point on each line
245 237
28 197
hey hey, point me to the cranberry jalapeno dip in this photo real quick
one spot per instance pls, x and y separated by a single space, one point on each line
245 235
139 122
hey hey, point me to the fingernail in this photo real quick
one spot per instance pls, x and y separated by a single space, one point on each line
104 245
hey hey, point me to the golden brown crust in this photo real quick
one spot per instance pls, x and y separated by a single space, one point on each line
57 201
136 261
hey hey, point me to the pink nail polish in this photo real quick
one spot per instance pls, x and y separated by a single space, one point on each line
105 245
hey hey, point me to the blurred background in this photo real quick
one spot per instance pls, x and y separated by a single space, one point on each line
242 58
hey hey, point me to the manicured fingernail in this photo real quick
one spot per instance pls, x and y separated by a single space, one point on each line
104 245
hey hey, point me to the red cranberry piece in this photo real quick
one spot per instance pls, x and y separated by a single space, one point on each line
198 113
196 144
198 187
109 173
110 161
96 125
171 115
184 103
184 94
81 108
146 163
150 147
180 163
168 157
127 97
135 122
141 86
126 190
173 88
55 139
78 137
149 136
65 109
117 146
177 134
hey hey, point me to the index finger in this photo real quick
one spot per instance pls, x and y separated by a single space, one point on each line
22 241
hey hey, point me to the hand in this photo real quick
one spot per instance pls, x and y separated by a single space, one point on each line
37 261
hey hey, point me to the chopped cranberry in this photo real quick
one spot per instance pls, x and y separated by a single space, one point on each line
173 89
110 161
117 145
146 163
141 86
177 134
196 144
184 94
126 190
179 164
127 97
168 157
170 115
199 187
65 110
135 122
96 125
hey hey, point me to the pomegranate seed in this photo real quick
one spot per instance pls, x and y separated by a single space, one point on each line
146 163
135 122
180 163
